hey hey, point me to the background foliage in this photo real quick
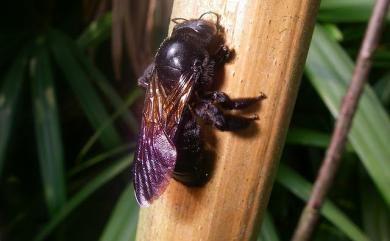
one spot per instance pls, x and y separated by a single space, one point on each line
68 122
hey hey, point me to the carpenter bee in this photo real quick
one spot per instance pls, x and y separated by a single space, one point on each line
177 98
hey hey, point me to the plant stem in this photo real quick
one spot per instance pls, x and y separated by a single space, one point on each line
310 214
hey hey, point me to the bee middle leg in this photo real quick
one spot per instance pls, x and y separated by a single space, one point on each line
210 113
225 102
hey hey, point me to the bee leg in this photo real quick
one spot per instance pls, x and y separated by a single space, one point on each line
224 122
191 168
144 80
207 72
222 55
225 102
190 136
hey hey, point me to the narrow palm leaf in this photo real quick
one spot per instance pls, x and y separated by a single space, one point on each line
301 188
268 231
47 130
105 176
312 138
81 166
123 108
105 87
330 69
346 10
96 32
375 213
123 221
83 89
382 89
9 93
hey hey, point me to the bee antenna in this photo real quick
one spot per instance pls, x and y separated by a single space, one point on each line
215 14
177 20
210 12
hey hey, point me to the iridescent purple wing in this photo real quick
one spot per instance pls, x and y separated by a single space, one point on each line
156 154
155 159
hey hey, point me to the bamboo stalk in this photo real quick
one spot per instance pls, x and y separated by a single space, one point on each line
270 39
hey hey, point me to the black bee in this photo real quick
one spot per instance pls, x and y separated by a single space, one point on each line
177 96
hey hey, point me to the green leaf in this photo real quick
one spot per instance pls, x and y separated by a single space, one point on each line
346 10
330 69
9 92
123 221
96 32
302 188
381 57
375 213
268 231
47 130
106 88
307 137
334 31
82 88
99 158
382 89
105 176
130 100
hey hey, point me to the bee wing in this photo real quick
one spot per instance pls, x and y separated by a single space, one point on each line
154 162
156 154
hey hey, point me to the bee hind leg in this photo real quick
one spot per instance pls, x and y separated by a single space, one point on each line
191 167
225 102
224 122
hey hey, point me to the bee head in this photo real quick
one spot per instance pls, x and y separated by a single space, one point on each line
201 28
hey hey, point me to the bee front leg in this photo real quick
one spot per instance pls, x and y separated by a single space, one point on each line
225 102
222 55
144 80
210 113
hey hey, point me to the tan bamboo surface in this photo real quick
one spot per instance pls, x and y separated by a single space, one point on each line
271 39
